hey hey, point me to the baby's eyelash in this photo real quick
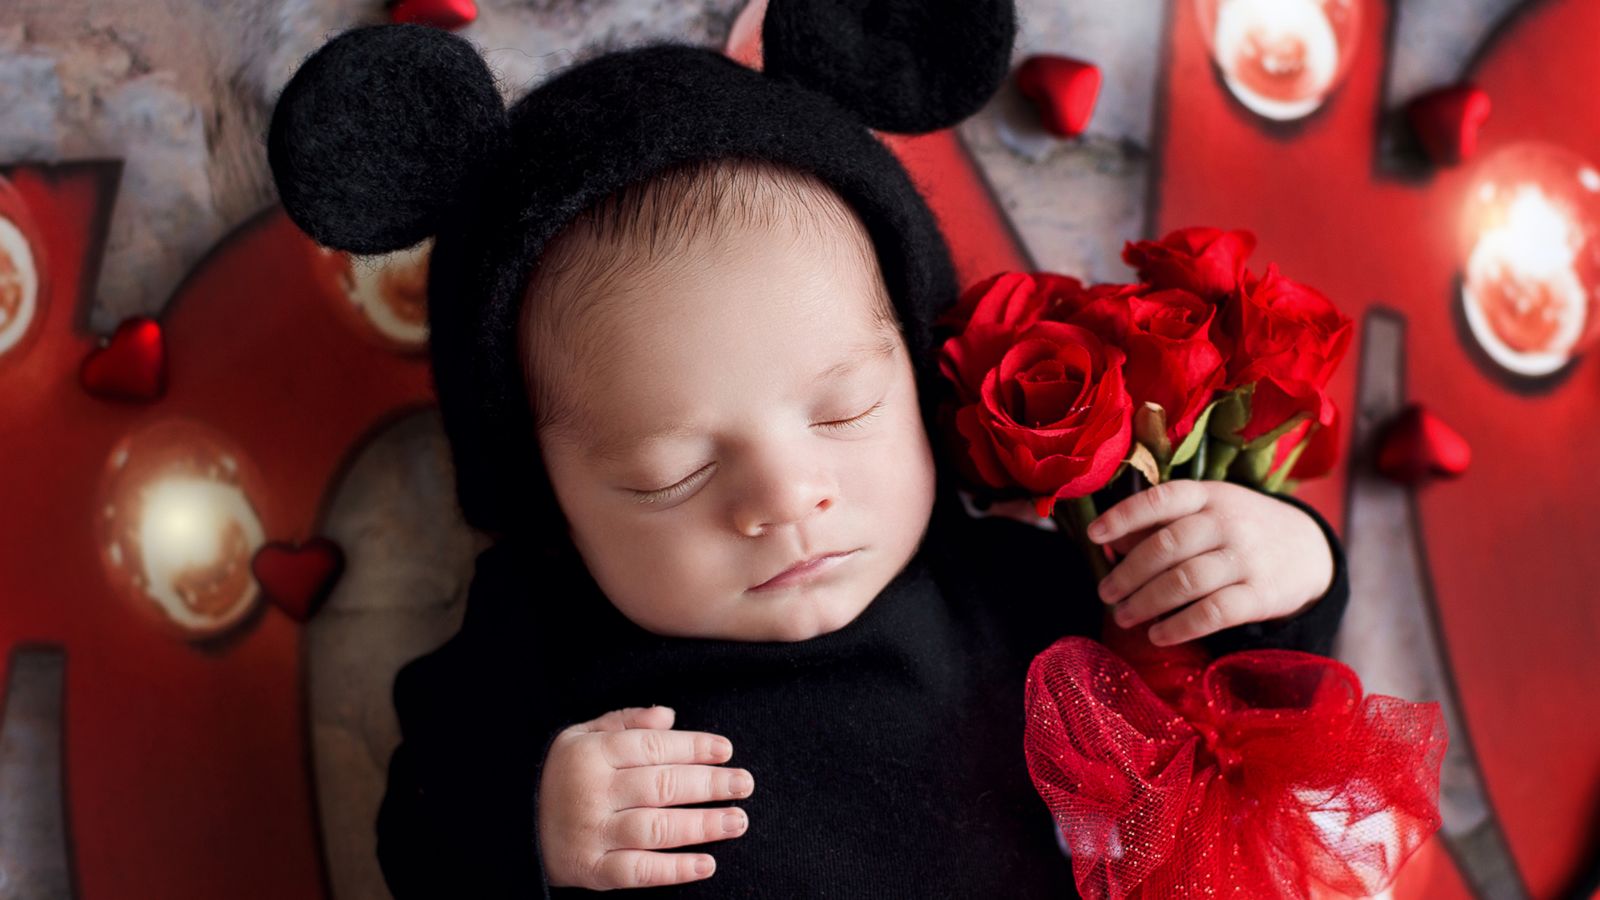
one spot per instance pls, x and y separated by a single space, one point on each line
670 492
673 491
857 421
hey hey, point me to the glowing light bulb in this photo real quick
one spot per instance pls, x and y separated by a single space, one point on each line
384 296
21 276
1531 263
178 527
1280 58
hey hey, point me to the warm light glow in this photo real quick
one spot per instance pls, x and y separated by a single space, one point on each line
178 529
19 285
185 523
388 292
1529 280
1280 58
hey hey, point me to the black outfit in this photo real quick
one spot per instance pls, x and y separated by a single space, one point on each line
887 755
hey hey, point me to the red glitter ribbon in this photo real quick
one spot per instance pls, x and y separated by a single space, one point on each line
1262 774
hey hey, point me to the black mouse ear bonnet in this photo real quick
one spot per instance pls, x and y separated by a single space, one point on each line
391 134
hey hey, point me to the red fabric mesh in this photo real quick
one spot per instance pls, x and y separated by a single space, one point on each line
1262 774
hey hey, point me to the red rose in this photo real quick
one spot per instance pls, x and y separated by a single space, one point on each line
1101 308
1050 415
989 316
1204 261
991 313
1171 360
1288 339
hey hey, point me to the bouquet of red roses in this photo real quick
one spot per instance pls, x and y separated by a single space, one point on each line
1264 773
1061 385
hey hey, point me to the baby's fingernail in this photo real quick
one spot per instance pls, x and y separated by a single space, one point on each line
733 822
1105 589
742 784
723 747
1097 530
704 865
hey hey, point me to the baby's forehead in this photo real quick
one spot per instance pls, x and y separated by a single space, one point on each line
641 239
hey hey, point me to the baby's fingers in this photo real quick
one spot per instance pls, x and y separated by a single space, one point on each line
658 829
1125 544
657 747
639 868
1164 549
677 785
1178 586
1226 608
631 717
1151 507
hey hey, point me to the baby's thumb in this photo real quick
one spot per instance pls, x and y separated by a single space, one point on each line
633 717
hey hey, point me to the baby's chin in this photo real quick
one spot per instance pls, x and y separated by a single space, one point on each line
804 614
785 616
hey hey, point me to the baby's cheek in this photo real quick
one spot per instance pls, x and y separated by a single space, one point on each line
703 567
912 462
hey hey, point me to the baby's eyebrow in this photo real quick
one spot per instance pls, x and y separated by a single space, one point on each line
616 449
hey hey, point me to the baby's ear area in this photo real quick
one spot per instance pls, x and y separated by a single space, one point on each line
377 132
902 66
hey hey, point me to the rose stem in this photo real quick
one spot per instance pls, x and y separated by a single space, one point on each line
1080 511
1217 466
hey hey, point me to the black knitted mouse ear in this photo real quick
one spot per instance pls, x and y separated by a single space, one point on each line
375 135
906 66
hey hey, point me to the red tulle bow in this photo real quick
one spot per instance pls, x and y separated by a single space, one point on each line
1272 777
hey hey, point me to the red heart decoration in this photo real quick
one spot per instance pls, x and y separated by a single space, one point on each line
131 366
1417 444
1063 90
446 14
297 579
1446 121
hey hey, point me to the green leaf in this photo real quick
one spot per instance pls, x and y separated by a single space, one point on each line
1254 462
1191 442
1233 413
1221 456
1279 482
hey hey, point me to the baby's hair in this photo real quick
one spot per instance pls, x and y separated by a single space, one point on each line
650 226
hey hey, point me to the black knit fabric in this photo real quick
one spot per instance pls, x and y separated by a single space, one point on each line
887 755
929 64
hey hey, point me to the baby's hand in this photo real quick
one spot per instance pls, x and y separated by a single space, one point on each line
1234 555
603 780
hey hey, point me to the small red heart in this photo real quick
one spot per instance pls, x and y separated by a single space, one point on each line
131 366
1417 445
297 579
1063 90
446 14
1446 121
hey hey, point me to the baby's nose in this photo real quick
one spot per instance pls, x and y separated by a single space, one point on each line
782 501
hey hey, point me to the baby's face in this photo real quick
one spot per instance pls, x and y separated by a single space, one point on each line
745 414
